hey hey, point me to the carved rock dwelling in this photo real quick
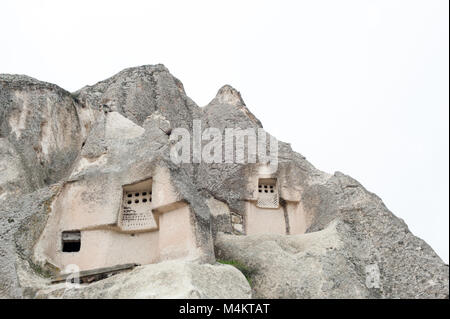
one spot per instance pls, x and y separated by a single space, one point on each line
86 179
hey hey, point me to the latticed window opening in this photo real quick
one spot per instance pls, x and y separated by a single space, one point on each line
268 193
138 197
136 212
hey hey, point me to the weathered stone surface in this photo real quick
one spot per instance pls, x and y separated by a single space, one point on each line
138 92
312 265
117 131
169 279
157 120
42 127
355 248
22 220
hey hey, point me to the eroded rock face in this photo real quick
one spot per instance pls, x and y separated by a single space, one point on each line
169 279
136 93
314 265
89 144
355 248
42 128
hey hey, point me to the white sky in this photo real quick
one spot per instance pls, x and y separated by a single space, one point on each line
355 86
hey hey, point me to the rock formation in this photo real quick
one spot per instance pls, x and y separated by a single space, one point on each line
88 178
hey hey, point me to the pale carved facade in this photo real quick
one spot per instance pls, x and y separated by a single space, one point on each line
95 225
144 222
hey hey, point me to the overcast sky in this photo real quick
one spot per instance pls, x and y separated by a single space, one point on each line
359 87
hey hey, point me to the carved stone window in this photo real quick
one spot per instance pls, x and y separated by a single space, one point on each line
136 211
268 193
71 241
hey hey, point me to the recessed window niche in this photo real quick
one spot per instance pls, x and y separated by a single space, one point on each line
267 193
136 210
71 241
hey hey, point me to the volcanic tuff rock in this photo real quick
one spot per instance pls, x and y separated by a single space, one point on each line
356 248
112 133
168 279
41 132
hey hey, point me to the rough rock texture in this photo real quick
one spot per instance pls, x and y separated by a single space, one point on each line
138 92
117 131
21 223
355 248
315 265
41 132
169 279
105 164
